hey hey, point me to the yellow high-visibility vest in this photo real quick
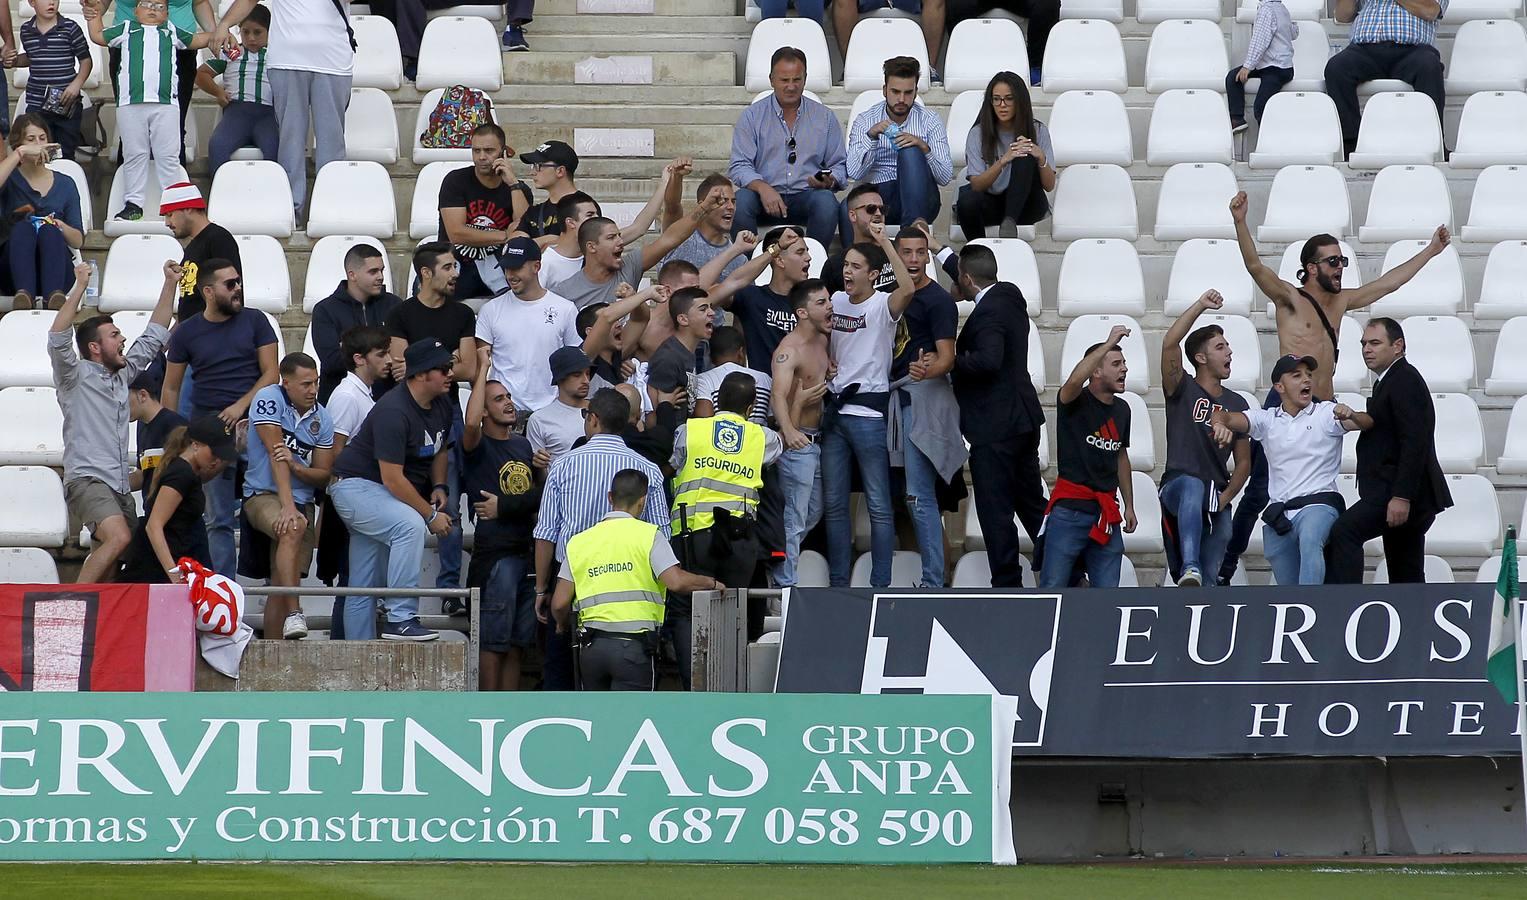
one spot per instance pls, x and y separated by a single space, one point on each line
614 587
723 469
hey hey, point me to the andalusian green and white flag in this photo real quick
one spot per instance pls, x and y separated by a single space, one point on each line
1502 669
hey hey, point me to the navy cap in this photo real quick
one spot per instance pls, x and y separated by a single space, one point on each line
517 252
567 361
1289 363
424 355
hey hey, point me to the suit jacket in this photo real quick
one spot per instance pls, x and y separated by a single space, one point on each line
991 373
1397 457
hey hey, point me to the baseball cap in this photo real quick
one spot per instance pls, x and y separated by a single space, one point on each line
567 361
184 195
211 431
1289 363
148 380
552 152
517 252
424 355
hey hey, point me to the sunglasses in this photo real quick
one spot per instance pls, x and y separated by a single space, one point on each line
872 208
232 282
791 144
1334 261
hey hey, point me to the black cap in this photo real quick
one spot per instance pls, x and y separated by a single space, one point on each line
211 431
567 361
1289 363
552 152
517 252
424 355
148 380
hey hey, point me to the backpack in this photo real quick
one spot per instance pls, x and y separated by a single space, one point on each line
460 110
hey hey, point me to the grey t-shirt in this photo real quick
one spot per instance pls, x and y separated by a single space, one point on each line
584 293
975 164
696 249
1190 447
673 365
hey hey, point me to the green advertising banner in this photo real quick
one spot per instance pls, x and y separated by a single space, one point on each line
581 777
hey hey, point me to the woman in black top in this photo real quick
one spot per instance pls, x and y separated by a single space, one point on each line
172 526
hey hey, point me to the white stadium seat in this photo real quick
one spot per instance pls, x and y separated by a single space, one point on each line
27 565
1442 349
1194 202
811 569
1245 347
252 197
1150 12
1201 264
1189 126
1504 291
1351 373
1084 331
1436 571
1497 211
425 155
1492 131
973 570
1306 200
1437 290
378 59
1246 12
1460 433
1100 276
876 40
1488 55
1406 203
1036 362
1090 127
1142 437
1398 128
1128 577
24 348
353 198
906 570
979 49
1349 440
40 440
1312 49
1094 201
818 255
1187 53
152 222
1513 459
804 35
371 127
134 272
82 186
1297 128
132 324
424 217
460 50
1107 10
962 118
1471 526
1489 571
1084 55
1508 374
1469 10
326 267
267 284
1017 266
1147 535
34 514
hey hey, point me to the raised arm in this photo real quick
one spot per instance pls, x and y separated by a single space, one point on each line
64 320
673 173
721 292
165 306
1396 278
673 196
471 432
1076 382
601 335
901 298
1171 343
677 233
1276 289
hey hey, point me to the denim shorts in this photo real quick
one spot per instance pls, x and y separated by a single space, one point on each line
509 605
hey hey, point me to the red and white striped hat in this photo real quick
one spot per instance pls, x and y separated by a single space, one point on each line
184 195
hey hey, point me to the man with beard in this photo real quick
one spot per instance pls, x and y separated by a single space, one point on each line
478 208
762 311
185 213
901 148
555 427
713 235
361 300
232 350
522 327
864 211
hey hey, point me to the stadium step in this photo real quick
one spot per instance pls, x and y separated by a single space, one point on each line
623 11
562 67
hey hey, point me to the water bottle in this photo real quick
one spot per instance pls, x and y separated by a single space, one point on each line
893 131
93 288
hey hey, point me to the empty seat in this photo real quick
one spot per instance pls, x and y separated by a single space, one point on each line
1094 201
424 219
1311 51
1089 127
1492 130
371 127
1497 211
1460 433
424 155
1084 55
1489 571
1107 10
1351 374
1513 459
1147 535
1306 200
82 186
1245 346
1468 10
1471 526
804 35
353 198
1442 349
1186 53
460 50
152 222
1488 55
1017 266
1189 126
1150 12
134 273
876 40
811 568
1142 437
1084 331
1436 290
34 514
962 118
1436 570
326 267
973 570
1246 12
252 197
1100 276
24 348
1297 128
378 58
267 284
906 570
40 440
1128 577
29 565
1194 202
1504 291
979 49
1036 363
1349 440
1406 203
1508 374
1398 128
1201 264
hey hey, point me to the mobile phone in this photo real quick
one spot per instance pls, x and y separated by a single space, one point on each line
824 174
55 153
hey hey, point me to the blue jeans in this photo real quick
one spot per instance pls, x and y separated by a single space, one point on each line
861 440
806 9
1299 557
800 477
1187 498
40 259
244 124
221 513
911 195
816 207
922 502
386 548
187 400
450 545
508 617
1068 538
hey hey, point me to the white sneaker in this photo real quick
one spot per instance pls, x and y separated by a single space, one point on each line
295 627
1190 578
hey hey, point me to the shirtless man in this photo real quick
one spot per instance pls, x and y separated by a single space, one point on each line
1309 318
801 369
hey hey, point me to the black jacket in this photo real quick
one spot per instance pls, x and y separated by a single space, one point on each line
1397 457
332 317
991 375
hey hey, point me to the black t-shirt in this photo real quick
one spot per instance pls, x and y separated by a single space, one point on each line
542 219
214 242
765 318
1190 446
398 431
832 275
1092 435
153 433
487 208
185 533
504 468
931 317
447 323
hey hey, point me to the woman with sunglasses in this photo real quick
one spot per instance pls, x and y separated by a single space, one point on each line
1007 159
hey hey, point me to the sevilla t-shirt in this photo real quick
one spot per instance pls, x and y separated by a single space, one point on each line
1092 435
765 318
862 334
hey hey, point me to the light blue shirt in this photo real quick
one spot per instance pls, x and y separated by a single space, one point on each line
761 146
301 432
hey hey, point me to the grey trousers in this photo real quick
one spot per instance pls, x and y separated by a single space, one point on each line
613 664
303 99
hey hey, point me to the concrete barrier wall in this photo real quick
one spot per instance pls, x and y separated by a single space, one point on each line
344 666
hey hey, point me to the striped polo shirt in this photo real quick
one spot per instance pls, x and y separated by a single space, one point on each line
147 73
245 79
53 56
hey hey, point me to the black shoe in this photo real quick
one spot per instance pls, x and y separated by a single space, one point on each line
131 212
453 607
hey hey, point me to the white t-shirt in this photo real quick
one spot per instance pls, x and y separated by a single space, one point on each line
523 335
349 404
1303 451
309 35
708 384
554 428
555 267
862 336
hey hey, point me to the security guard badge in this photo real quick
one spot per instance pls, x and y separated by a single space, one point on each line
728 437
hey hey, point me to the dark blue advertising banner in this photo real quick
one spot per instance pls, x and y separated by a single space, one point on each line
1163 673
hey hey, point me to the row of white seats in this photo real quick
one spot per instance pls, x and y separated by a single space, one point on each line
1151 11
454 50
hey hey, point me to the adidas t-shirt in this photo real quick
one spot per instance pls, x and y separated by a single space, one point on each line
862 335
1092 435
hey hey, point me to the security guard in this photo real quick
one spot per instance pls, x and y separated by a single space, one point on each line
614 580
718 473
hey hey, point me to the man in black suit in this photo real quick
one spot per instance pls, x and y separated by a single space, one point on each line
1398 478
1000 413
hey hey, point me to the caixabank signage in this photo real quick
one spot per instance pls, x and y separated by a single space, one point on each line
1162 673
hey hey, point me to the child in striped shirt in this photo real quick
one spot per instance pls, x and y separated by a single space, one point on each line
148 107
55 51
242 88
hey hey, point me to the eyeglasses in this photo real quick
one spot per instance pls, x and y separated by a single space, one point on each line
232 282
872 208
154 7
1335 261
1002 100
585 412
791 144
